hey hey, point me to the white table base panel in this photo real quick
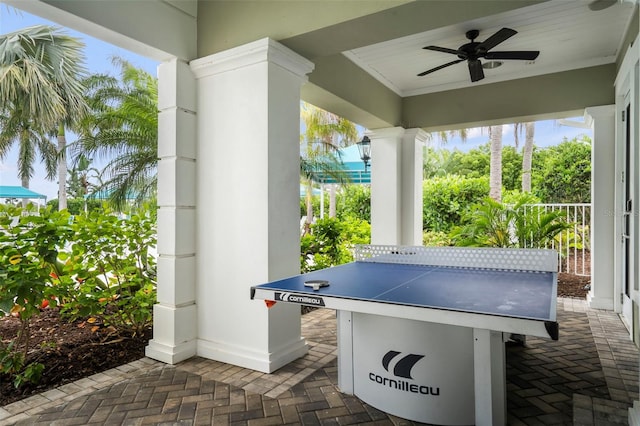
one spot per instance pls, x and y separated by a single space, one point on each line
422 371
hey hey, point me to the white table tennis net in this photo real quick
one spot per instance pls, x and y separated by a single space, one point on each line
466 257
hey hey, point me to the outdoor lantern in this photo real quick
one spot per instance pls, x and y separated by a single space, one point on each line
364 148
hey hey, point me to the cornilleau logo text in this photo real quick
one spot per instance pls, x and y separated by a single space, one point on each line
402 368
300 298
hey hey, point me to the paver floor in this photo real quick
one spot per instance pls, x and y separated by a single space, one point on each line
588 377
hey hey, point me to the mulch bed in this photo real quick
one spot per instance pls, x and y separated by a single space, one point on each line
71 351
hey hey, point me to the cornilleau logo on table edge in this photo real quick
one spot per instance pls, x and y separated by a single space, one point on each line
402 369
302 299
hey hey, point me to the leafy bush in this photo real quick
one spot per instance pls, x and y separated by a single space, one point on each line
77 205
446 198
562 173
29 248
96 265
492 224
330 242
355 201
109 273
435 239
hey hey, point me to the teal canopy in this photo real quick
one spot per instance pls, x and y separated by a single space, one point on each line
352 168
19 192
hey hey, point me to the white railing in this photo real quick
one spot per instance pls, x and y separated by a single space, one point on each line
573 244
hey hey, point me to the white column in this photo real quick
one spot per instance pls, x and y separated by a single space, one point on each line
396 186
174 331
603 237
248 202
412 177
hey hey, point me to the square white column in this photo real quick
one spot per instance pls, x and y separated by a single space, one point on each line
174 316
603 180
248 202
396 186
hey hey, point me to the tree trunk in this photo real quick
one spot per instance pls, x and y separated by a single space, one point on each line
24 181
527 156
309 219
495 166
62 168
332 200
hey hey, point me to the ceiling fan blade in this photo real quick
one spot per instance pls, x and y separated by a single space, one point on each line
527 55
497 38
441 49
601 4
475 70
439 68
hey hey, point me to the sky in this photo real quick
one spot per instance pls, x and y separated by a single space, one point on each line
98 60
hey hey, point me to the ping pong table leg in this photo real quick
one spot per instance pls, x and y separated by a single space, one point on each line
489 377
345 351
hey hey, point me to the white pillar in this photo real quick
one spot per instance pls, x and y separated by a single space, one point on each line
412 176
174 317
603 237
396 186
248 202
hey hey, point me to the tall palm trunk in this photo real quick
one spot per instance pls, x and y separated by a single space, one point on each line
332 200
309 199
527 156
495 166
62 168
24 181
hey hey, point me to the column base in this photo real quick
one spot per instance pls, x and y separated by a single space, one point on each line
266 362
634 414
594 302
170 354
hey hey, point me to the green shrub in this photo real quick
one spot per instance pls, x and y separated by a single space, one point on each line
445 200
330 242
29 247
355 201
109 273
493 224
97 265
436 239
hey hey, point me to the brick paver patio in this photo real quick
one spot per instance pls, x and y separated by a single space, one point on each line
588 377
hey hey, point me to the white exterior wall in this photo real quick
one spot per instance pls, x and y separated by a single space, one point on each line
248 202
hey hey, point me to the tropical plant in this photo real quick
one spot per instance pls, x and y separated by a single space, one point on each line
325 133
29 248
40 93
123 130
494 224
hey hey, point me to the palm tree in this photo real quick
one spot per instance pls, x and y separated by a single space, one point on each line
325 133
495 165
123 130
40 92
527 156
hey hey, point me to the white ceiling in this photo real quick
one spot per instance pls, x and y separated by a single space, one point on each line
566 32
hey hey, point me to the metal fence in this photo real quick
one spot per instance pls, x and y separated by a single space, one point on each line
573 245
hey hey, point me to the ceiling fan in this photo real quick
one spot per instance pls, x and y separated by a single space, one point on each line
473 51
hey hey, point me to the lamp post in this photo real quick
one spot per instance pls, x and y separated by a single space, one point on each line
364 148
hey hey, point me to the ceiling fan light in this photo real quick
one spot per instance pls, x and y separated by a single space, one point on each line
489 65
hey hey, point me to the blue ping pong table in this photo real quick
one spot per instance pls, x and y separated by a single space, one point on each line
421 331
